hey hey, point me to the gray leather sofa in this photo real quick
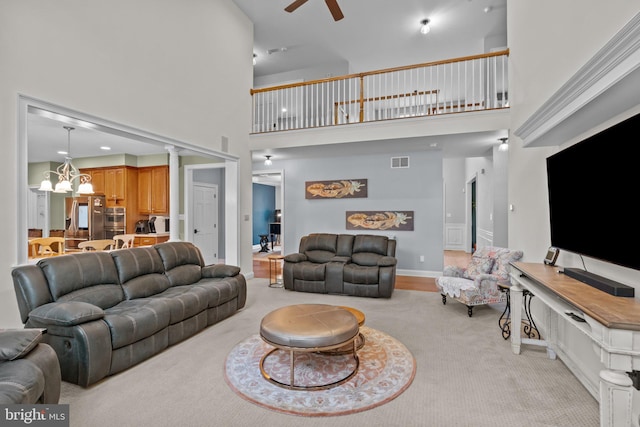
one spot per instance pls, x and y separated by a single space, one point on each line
107 311
359 265
29 369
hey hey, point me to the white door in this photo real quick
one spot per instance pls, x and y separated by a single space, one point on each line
205 221
37 209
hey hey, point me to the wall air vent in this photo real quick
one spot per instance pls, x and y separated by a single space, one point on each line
399 162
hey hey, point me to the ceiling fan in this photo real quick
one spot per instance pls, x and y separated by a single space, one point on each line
331 4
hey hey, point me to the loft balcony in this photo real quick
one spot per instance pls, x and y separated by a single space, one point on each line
409 97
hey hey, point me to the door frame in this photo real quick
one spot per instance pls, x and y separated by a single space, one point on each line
281 202
231 226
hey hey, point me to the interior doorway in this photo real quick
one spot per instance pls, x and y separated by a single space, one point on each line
274 210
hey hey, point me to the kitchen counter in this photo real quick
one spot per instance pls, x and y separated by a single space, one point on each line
149 239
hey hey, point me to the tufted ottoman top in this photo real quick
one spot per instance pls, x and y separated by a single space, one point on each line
308 326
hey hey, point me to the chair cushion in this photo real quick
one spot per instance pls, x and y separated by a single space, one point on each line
361 275
478 265
309 271
453 286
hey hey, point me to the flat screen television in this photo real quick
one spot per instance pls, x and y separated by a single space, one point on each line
592 195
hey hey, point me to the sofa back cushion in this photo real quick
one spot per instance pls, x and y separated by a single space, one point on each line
86 277
182 262
140 271
368 249
319 247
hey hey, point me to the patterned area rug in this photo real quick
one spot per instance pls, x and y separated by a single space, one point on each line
387 368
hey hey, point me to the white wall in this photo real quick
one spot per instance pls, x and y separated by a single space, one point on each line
177 69
541 62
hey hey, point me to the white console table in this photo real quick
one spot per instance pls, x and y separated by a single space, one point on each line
611 323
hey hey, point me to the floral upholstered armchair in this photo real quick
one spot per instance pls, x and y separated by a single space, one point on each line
477 284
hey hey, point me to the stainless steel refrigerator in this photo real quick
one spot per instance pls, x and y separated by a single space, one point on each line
84 219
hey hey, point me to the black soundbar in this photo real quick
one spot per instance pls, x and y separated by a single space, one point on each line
607 285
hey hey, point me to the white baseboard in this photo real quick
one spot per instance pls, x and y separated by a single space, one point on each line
418 273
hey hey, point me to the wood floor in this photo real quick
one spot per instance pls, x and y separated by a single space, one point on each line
427 284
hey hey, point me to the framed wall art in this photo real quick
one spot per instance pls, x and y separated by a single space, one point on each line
338 189
380 220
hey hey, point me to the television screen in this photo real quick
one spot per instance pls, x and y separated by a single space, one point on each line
592 195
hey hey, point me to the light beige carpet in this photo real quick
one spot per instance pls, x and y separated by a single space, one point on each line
466 374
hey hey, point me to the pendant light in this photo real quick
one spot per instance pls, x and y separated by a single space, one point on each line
67 173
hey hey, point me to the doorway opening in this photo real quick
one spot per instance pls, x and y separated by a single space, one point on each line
29 106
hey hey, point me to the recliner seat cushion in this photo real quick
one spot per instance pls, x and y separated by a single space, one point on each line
358 274
184 301
133 320
22 382
309 271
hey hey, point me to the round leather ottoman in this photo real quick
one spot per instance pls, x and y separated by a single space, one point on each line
309 328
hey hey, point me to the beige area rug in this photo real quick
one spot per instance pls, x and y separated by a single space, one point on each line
466 374
386 369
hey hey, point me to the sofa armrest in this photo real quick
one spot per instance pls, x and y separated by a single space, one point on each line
67 313
341 259
296 257
220 270
387 261
16 343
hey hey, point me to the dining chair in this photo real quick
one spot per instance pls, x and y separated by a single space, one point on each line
123 241
97 245
46 246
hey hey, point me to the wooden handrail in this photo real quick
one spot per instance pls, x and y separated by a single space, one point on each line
386 70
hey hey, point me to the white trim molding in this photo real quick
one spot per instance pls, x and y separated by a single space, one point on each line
605 87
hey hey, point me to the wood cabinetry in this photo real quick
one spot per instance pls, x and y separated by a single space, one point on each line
148 240
153 190
119 184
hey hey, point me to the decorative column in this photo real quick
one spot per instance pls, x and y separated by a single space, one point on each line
616 399
174 193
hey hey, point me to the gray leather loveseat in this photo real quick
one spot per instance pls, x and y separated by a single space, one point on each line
359 265
107 311
29 369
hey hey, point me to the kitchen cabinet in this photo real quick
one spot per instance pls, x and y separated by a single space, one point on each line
153 190
149 239
119 184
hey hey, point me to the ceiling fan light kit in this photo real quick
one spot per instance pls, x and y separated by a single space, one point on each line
331 4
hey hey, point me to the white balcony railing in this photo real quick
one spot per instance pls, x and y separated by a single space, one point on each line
470 83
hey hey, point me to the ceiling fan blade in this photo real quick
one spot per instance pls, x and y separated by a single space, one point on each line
334 9
293 6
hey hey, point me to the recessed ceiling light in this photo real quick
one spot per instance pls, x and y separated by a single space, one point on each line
63 153
104 147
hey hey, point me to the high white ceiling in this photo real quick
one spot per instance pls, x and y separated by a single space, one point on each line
374 34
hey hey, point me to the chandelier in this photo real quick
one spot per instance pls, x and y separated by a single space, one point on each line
67 172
